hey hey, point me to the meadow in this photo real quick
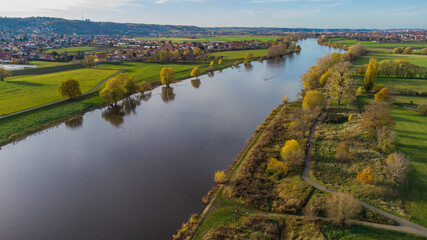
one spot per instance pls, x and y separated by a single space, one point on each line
239 54
224 38
22 92
372 44
71 49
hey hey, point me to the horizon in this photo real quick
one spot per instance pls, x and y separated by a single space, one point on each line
327 14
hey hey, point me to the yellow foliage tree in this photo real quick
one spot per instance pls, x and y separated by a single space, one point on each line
167 76
366 176
382 95
220 62
212 64
371 74
358 92
292 153
350 117
113 92
195 72
249 57
324 78
70 88
313 99
220 177
276 168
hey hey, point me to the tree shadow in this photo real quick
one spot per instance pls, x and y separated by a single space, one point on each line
25 83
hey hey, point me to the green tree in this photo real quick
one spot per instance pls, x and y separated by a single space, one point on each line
70 88
128 84
382 95
113 92
340 82
313 99
4 73
167 76
371 74
195 72
89 61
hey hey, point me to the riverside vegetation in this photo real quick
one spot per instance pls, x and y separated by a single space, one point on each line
262 196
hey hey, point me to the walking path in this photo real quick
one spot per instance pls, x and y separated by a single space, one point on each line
404 225
62 100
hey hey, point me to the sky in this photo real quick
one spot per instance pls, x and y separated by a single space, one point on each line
373 14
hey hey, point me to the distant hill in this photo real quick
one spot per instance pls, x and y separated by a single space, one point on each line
49 25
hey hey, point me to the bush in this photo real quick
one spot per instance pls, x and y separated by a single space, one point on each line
358 92
382 95
350 117
342 152
341 207
386 138
292 153
276 168
313 99
378 87
424 51
422 109
220 177
398 165
335 118
376 116
366 176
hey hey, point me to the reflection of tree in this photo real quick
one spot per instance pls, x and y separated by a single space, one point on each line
168 94
75 122
248 67
145 96
130 104
275 61
220 71
114 115
196 83
211 74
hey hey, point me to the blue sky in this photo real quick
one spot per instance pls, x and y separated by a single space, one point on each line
247 13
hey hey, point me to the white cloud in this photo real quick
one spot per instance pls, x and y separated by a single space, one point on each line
61 5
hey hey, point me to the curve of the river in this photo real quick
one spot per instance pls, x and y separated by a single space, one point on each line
140 172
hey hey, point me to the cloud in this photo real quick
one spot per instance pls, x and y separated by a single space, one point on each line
62 5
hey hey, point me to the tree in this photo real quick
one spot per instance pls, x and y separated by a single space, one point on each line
341 206
398 50
376 116
386 139
422 109
366 176
359 92
398 166
144 87
424 51
340 82
4 73
248 57
310 79
89 61
342 152
220 177
195 72
285 99
167 76
313 99
407 50
276 168
70 88
197 51
382 95
371 74
113 92
292 153
220 61
356 51
129 84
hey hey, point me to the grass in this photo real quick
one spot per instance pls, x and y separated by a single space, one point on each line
372 44
420 60
240 54
43 64
71 49
22 92
223 38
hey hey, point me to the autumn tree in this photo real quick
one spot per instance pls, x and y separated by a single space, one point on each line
382 95
195 72
248 57
376 116
129 84
313 99
407 50
310 79
220 177
144 87
342 152
197 51
359 92
276 168
386 139
340 83
292 153
167 76
422 109
113 91
4 73
220 61
398 50
89 61
371 74
70 88
341 207
356 51
398 166
423 51
366 176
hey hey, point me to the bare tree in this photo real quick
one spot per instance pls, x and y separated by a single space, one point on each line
341 207
398 165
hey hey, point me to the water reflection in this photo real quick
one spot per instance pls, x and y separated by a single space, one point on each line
211 74
196 83
277 62
115 115
167 94
248 67
75 122
130 104
145 96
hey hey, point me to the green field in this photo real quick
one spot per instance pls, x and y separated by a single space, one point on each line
372 44
224 38
239 54
420 60
22 92
71 49
43 64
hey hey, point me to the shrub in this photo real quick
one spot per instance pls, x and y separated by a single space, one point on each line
313 99
285 99
398 166
378 87
187 228
386 139
366 176
292 153
359 92
341 207
407 50
342 152
276 168
382 95
335 118
350 117
424 51
422 109
376 116
220 177
398 50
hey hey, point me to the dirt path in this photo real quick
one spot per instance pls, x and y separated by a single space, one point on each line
404 225
62 100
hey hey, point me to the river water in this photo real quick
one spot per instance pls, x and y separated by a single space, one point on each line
140 172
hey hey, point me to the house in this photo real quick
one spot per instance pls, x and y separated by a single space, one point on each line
100 57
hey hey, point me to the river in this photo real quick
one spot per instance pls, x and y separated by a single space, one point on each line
140 173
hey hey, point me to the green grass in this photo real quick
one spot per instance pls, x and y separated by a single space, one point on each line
372 44
43 64
71 49
223 38
22 92
420 60
239 54
418 84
